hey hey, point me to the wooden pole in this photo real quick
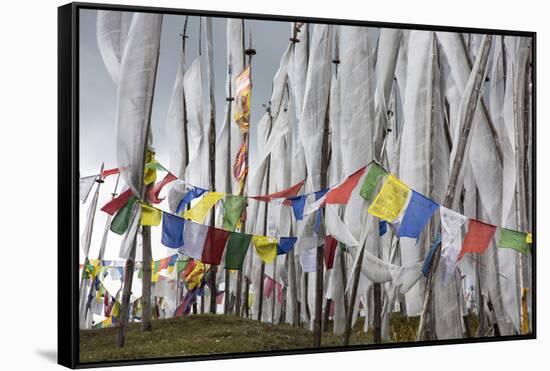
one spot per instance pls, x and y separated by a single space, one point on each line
212 157
455 172
317 321
291 256
486 113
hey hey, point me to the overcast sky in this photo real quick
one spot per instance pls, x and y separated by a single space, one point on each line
98 92
98 99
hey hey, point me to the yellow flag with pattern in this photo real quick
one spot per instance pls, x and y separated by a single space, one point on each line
150 216
266 247
391 199
198 212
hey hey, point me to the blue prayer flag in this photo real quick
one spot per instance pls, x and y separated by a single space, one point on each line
428 261
285 245
189 196
298 204
318 195
172 231
382 227
418 213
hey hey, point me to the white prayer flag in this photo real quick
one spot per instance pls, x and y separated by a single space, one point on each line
194 235
451 225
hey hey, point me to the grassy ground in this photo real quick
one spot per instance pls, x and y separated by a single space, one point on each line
205 334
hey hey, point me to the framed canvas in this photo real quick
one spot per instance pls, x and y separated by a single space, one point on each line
241 185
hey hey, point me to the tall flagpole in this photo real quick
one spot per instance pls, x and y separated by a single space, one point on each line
453 178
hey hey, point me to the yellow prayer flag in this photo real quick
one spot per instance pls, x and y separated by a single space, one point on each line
198 212
193 279
108 322
266 247
242 102
150 216
116 309
529 238
149 173
391 199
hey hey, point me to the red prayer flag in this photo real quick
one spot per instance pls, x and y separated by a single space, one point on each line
342 193
214 246
106 173
163 264
220 297
330 250
289 192
269 285
154 191
117 203
478 237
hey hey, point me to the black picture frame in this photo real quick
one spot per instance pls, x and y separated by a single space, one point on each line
68 176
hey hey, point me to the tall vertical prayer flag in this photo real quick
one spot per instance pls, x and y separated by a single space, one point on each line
243 86
342 193
391 199
193 193
194 235
371 180
198 212
308 255
266 247
214 246
478 237
513 240
233 208
150 216
451 228
330 250
285 244
236 250
417 214
121 221
172 231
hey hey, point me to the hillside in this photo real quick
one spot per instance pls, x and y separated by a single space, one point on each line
205 334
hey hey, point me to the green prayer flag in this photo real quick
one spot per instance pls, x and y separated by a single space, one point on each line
180 265
513 240
233 209
156 265
121 221
371 180
155 165
236 250
343 247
